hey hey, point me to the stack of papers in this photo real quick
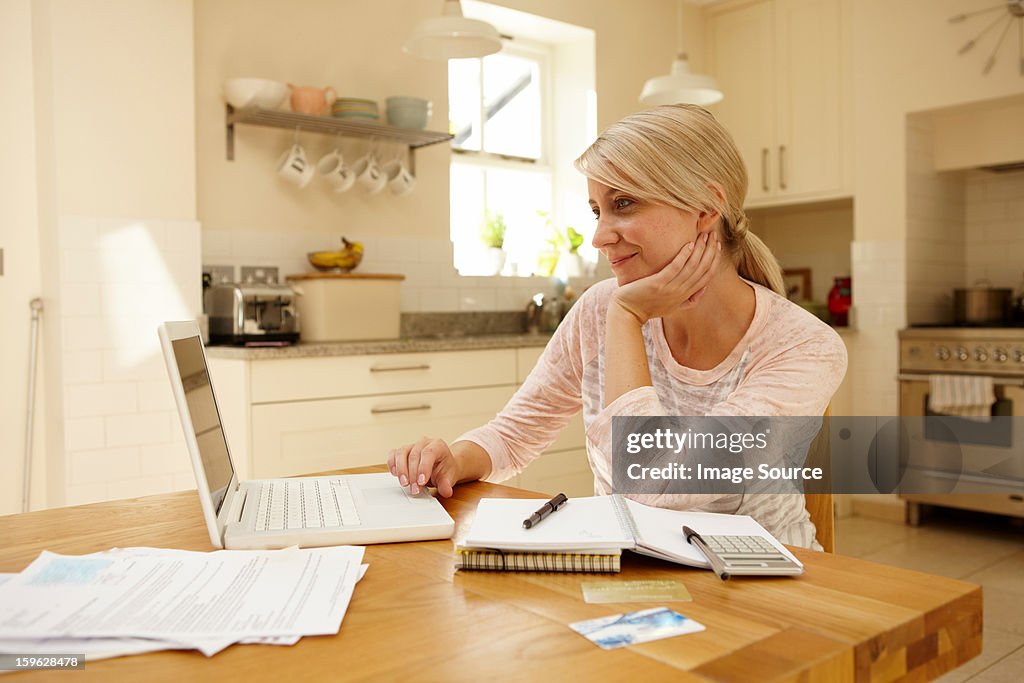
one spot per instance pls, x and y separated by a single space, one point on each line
134 600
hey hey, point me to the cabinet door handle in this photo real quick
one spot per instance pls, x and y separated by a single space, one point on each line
782 166
399 368
400 409
764 169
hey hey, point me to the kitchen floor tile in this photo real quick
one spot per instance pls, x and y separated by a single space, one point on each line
859 536
1004 611
1006 575
1010 669
946 553
995 647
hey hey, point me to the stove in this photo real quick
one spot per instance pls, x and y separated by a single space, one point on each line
963 350
987 472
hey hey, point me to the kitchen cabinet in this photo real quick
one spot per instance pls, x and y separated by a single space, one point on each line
784 68
294 416
564 467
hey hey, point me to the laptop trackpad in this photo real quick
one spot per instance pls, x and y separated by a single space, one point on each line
386 496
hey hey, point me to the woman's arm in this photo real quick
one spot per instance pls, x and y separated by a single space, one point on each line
678 285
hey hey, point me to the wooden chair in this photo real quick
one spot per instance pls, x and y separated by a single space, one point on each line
820 505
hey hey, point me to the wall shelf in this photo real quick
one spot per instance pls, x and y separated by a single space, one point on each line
326 124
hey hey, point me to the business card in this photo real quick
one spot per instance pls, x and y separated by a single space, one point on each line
599 592
633 628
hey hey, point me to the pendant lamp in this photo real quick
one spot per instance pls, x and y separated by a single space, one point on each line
681 85
452 36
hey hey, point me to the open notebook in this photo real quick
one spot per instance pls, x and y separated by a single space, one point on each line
605 522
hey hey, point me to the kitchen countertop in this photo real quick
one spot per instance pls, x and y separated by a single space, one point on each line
468 342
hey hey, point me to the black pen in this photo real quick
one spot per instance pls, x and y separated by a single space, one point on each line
545 510
717 566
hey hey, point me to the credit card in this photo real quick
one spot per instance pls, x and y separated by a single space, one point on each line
599 592
620 630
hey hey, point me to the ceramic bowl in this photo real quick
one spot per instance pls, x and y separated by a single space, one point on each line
255 92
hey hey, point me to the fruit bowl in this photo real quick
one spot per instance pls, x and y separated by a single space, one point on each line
343 260
330 269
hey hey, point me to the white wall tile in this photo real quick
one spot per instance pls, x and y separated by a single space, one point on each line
82 367
155 395
83 434
139 486
107 465
84 333
477 299
439 299
165 459
90 400
83 494
137 429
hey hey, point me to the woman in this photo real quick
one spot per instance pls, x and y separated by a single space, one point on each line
693 323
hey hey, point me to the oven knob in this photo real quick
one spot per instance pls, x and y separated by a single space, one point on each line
1018 356
961 353
980 355
942 353
999 355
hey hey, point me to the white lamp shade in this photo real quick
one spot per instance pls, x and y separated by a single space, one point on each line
681 86
452 36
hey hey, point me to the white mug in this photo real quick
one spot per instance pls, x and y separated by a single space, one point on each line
332 168
369 175
400 180
293 166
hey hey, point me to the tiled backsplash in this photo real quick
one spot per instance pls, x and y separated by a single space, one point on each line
995 227
431 283
118 280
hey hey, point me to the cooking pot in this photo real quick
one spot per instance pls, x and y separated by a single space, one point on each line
981 305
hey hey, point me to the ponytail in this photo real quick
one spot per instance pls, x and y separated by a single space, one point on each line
754 260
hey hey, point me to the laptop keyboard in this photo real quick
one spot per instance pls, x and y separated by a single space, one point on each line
305 504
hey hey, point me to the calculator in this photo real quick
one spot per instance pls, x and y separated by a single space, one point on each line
746 556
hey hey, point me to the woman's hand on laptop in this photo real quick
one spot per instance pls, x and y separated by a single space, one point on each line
432 462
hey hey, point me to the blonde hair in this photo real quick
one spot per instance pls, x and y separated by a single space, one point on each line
676 154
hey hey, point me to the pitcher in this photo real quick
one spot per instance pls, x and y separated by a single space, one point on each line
309 100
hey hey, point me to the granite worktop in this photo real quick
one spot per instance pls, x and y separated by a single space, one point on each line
419 332
453 342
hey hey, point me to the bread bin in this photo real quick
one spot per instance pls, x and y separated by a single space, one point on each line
348 306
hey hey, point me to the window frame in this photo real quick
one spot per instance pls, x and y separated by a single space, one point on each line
543 55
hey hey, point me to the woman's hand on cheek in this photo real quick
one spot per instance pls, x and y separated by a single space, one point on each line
680 284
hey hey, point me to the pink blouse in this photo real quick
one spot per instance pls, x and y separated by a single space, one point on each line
787 363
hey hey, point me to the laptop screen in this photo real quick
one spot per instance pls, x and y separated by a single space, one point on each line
206 424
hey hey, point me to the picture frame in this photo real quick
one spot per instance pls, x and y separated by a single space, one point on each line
797 282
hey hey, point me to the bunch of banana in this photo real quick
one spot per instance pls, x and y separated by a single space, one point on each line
345 259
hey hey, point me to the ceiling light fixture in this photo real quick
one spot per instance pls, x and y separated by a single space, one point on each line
681 85
452 36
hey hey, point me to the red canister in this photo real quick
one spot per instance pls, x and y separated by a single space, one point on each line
839 300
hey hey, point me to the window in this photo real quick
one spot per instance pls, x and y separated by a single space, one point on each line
499 115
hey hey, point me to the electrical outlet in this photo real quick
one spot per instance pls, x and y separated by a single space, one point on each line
216 275
259 275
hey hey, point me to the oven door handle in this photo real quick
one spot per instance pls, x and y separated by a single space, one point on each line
1004 382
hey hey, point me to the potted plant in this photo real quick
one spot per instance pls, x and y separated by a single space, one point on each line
573 264
492 234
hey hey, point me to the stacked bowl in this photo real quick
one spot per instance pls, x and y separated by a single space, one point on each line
355 108
408 112
255 92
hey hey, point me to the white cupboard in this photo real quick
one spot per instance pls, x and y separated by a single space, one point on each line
784 69
294 416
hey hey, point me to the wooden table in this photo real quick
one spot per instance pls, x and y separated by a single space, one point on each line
413 617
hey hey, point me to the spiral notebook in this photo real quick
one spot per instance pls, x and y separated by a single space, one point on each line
492 559
605 523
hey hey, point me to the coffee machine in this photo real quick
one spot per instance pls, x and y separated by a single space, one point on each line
252 313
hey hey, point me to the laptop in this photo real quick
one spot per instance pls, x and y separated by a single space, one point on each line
278 513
